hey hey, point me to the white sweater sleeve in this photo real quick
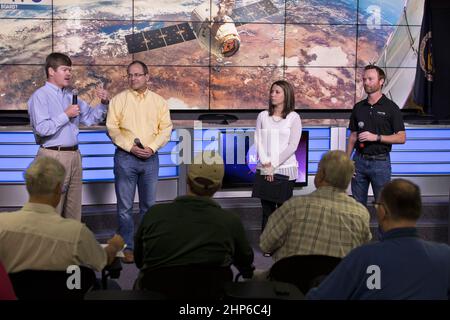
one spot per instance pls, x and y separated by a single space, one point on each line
294 139
259 137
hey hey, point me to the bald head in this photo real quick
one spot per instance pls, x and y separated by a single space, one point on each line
402 199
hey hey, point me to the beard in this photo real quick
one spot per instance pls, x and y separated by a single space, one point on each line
372 89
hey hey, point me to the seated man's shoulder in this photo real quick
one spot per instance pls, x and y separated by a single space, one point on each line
366 251
308 202
162 208
308 199
341 204
229 215
163 211
353 201
359 209
9 220
355 205
9 214
298 201
343 200
69 224
437 247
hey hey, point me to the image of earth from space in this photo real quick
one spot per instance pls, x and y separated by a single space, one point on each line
318 45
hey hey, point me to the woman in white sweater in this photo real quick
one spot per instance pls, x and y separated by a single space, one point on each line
278 132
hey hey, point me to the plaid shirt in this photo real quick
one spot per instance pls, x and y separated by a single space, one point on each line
325 222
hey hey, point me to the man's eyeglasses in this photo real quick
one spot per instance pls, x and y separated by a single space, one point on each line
135 75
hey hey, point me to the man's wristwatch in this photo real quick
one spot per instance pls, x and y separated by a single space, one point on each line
378 138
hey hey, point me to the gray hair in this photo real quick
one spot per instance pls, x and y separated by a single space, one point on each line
337 168
43 175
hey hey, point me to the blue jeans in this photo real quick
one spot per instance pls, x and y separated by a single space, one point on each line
130 171
375 172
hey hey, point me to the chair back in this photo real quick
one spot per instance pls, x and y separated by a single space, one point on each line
189 282
304 271
51 285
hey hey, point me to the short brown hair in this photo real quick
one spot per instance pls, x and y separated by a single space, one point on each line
381 74
402 199
55 60
289 98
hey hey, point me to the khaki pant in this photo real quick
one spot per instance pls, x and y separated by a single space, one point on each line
70 204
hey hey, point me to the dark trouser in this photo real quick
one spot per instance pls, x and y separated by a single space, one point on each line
268 207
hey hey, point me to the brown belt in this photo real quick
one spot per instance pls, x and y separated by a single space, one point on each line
59 148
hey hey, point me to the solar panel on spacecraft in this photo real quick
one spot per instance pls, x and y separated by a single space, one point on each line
158 38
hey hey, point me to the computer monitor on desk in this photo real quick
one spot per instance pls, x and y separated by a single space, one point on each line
239 152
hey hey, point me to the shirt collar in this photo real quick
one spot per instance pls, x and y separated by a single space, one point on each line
329 189
380 101
54 87
139 95
198 199
39 208
400 233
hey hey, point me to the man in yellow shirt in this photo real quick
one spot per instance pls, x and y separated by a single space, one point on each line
138 124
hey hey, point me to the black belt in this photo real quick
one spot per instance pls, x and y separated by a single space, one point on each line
73 148
382 156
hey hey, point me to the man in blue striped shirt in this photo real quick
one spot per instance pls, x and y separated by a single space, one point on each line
55 115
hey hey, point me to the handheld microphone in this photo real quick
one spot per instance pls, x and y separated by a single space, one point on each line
74 96
361 127
138 143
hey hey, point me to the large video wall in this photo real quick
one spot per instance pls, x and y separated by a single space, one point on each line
318 45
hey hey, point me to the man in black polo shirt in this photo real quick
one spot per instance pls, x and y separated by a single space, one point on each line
375 124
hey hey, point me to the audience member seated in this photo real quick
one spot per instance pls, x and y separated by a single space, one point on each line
400 265
6 288
38 238
325 222
193 229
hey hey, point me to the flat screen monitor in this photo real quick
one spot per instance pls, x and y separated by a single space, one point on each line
239 154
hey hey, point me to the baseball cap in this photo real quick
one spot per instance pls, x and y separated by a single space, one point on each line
208 166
